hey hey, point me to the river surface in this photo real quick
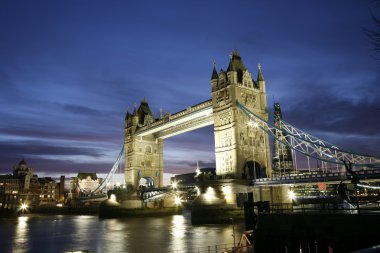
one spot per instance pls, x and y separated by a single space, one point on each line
67 233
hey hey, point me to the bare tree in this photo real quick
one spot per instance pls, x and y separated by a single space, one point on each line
374 34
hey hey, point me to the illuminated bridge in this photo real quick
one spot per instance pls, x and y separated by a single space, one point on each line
242 134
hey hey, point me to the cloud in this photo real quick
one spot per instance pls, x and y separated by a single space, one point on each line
83 110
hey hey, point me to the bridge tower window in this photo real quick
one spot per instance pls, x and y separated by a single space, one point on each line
148 149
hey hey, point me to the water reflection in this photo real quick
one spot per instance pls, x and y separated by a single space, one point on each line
73 233
20 239
85 232
178 232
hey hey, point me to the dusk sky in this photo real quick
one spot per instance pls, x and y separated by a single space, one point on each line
69 71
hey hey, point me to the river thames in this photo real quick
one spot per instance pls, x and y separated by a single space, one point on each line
67 233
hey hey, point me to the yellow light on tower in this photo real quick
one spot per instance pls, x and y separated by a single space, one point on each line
252 124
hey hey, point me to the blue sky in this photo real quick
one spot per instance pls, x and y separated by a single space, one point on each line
69 71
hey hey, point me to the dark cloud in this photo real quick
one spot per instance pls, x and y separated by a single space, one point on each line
78 109
30 148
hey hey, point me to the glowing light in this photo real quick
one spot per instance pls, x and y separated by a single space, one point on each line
59 205
227 191
210 193
368 186
291 195
113 197
197 172
177 200
118 184
174 185
24 207
198 190
253 124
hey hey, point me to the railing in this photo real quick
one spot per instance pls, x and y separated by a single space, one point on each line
326 208
316 177
230 247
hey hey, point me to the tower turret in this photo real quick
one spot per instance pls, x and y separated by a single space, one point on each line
214 78
135 118
235 68
260 79
144 113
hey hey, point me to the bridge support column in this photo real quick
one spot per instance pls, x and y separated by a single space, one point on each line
241 147
273 194
143 154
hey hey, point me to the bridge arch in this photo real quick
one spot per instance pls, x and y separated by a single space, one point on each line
146 182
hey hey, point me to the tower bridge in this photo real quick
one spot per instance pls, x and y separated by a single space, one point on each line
238 111
234 140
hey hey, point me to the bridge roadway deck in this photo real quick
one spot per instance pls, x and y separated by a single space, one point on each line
191 118
316 177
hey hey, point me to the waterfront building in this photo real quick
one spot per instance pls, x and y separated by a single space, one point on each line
83 184
191 178
48 191
25 187
9 190
24 173
61 189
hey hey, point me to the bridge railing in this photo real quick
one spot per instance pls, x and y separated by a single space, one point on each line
229 247
367 207
317 176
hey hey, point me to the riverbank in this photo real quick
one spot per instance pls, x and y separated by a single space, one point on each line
53 210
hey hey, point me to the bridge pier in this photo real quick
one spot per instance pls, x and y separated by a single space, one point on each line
143 154
273 194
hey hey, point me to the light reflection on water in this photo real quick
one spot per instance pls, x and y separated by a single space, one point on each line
57 233
20 241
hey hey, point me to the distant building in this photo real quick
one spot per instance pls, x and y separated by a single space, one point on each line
9 191
83 184
282 154
48 191
61 189
24 173
190 178
25 187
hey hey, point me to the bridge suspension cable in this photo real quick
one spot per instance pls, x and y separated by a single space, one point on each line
309 145
108 177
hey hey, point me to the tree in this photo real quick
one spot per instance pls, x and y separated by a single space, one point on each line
374 35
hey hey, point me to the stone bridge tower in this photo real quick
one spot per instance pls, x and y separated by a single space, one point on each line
241 148
143 154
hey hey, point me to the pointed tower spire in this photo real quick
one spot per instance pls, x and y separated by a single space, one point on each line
214 73
260 76
127 116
